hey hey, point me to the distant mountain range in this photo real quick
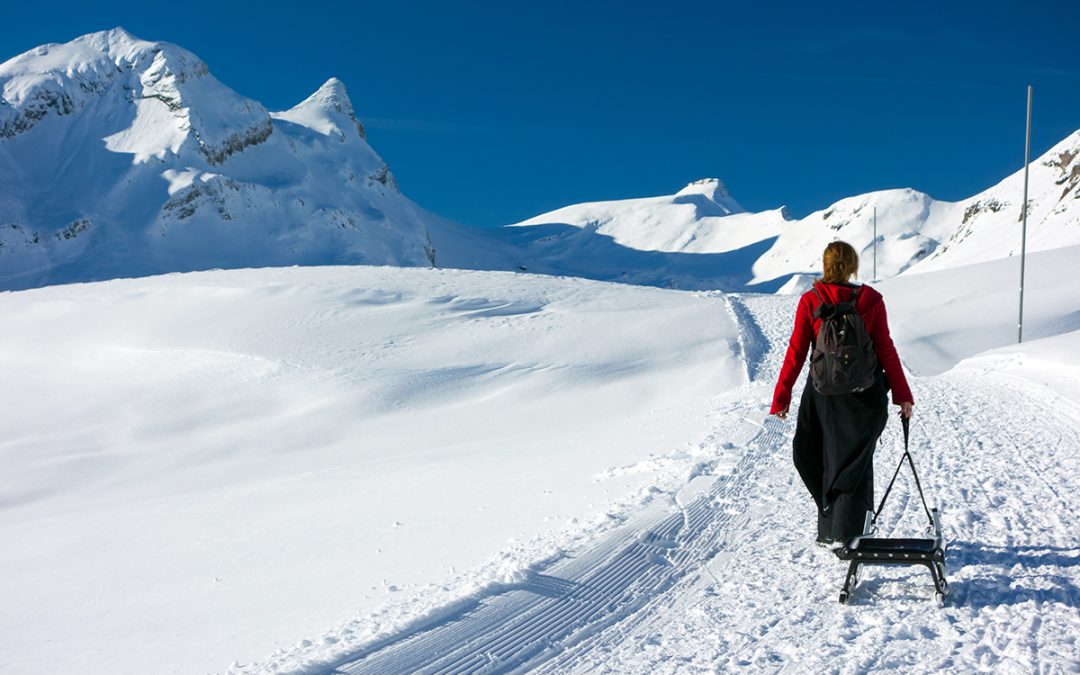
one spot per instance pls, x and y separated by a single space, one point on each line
915 233
121 157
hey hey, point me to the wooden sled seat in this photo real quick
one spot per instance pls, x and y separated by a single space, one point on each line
872 550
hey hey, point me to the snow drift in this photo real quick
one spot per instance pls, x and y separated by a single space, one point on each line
207 466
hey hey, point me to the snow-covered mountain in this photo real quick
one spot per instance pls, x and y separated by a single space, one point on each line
122 157
690 221
915 232
699 238
986 226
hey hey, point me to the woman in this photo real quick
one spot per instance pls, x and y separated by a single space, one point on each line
835 435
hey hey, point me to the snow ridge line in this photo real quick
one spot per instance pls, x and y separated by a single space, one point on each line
561 607
717 520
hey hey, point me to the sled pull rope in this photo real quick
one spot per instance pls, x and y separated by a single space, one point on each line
907 455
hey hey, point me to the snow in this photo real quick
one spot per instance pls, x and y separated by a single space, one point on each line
328 111
700 218
152 133
797 284
943 317
1049 363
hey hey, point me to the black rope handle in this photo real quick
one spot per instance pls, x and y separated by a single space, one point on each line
906 423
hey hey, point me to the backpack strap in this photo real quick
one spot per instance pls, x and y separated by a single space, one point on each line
817 312
855 295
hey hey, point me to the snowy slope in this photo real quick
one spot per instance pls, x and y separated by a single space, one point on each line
987 226
298 468
690 220
206 467
1048 363
121 157
943 317
697 239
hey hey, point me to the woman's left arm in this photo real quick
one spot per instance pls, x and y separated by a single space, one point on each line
889 359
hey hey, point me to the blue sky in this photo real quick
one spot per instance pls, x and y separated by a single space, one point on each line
491 112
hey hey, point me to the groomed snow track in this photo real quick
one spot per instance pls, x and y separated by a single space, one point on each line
529 623
535 620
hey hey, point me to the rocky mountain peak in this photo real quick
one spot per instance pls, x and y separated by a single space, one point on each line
113 70
705 186
334 94
714 190
329 111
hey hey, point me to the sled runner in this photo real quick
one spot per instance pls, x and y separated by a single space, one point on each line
870 550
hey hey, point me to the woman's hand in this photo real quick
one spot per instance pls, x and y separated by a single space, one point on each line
905 409
782 414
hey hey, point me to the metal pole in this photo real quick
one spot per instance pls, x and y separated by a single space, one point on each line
875 243
1023 217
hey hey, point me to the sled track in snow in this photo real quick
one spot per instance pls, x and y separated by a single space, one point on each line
572 600
993 454
1000 468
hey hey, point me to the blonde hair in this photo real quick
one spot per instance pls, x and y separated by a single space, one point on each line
840 262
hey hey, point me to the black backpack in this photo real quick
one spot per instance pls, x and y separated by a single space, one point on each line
843 361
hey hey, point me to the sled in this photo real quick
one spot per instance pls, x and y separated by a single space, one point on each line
867 549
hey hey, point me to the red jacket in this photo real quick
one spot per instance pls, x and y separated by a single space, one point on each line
871 307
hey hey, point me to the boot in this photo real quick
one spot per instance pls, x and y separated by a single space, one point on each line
848 516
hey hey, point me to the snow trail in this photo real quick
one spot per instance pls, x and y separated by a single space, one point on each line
990 456
576 598
526 624
752 339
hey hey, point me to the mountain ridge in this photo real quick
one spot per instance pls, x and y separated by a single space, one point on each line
915 232
125 157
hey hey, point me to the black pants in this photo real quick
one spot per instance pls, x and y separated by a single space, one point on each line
835 438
